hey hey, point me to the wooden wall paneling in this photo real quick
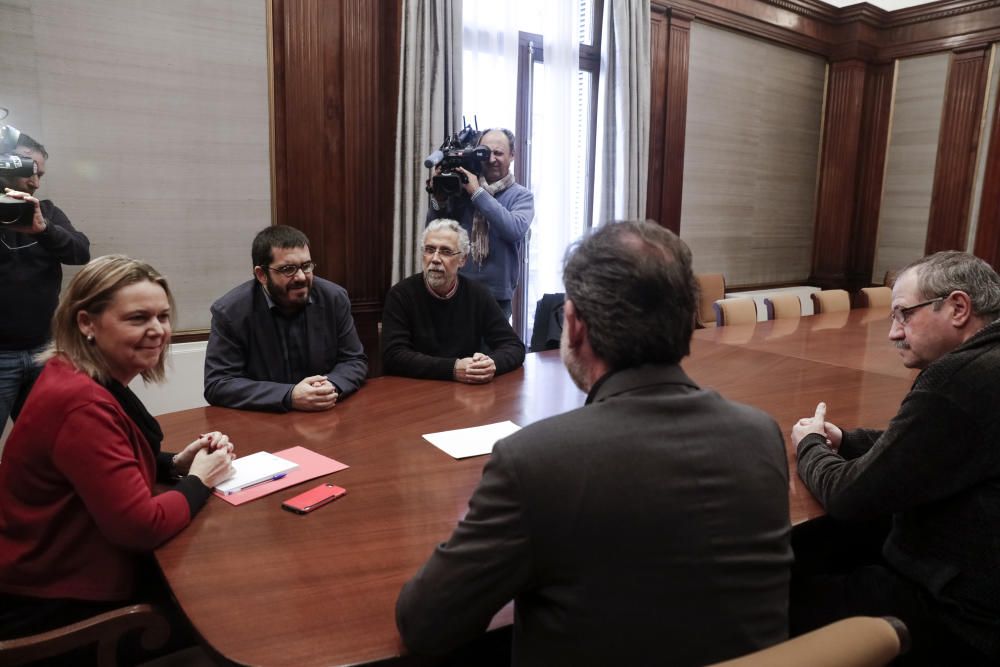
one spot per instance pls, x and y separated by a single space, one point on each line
858 31
675 117
987 245
954 173
875 114
838 174
940 26
336 71
808 25
659 36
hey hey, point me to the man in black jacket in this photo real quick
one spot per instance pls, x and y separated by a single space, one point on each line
935 471
650 526
31 259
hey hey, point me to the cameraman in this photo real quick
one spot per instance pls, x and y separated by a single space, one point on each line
496 212
31 259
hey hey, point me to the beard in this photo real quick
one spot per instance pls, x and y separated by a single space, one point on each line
574 367
438 280
281 296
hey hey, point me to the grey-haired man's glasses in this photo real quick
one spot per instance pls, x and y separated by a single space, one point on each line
289 270
901 315
429 250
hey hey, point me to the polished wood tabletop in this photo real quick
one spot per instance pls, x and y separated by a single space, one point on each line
267 587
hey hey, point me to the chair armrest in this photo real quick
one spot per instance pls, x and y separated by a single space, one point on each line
105 629
861 641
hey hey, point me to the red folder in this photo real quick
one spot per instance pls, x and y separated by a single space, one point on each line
311 466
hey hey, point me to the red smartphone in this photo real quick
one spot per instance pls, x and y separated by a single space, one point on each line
313 498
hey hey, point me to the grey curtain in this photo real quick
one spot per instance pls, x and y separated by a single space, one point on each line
430 100
623 113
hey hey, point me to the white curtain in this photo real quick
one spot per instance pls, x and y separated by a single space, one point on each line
429 108
491 32
558 161
623 113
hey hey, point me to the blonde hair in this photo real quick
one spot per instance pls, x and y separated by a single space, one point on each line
92 290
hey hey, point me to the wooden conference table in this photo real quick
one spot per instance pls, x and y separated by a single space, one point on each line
266 587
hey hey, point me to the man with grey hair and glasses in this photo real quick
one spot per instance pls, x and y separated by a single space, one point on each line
649 526
934 473
439 325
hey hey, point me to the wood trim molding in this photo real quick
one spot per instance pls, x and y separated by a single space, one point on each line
855 32
955 168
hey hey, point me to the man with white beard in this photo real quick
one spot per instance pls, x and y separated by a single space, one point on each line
439 325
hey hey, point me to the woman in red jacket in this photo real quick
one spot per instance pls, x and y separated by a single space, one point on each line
78 514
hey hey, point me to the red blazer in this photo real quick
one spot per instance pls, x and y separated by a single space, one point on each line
76 494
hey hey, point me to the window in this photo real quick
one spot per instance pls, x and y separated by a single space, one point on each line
543 84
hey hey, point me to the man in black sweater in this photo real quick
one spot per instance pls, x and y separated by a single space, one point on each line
31 259
439 325
934 472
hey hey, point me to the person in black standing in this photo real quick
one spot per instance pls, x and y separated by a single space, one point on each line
31 259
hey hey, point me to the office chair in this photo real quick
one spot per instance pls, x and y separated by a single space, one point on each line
105 630
875 297
738 310
711 288
861 641
783 306
830 301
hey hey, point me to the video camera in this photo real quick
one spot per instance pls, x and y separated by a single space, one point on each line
459 150
14 211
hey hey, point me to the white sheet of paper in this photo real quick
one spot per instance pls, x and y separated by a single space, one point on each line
254 469
475 441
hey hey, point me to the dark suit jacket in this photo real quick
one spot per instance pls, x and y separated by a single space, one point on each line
650 526
244 365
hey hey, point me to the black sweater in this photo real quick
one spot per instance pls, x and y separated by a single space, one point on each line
423 336
936 470
31 276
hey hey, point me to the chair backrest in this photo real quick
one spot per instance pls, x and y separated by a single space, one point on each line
712 287
547 329
860 641
783 306
104 629
831 300
738 310
875 297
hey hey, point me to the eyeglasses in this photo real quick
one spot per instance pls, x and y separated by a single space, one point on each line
289 270
901 315
444 251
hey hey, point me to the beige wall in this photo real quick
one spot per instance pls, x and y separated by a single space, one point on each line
753 133
155 115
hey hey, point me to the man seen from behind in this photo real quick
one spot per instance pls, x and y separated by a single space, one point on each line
648 527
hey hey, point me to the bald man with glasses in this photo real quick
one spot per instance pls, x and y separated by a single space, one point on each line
440 325
284 340
932 477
